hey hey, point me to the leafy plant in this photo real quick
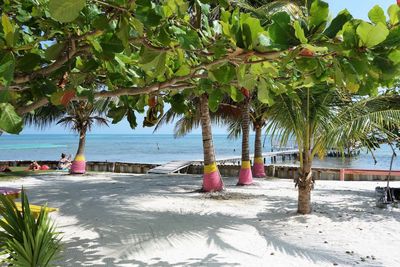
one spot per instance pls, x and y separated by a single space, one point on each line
27 241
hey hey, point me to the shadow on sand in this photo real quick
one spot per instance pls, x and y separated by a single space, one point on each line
123 222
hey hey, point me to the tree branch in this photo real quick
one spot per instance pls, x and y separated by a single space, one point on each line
173 83
53 67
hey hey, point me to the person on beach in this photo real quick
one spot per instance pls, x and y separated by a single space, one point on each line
34 166
65 162
5 169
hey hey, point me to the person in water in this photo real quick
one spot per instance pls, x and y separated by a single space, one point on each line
65 162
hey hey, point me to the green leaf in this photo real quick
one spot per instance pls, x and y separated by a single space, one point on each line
117 114
264 94
8 30
178 103
394 56
55 98
5 96
10 122
371 35
234 93
280 31
204 85
188 38
183 70
223 74
278 88
376 15
137 25
146 13
52 52
219 48
66 10
214 99
305 64
123 31
350 36
394 14
132 119
251 29
28 62
112 45
153 61
319 13
7 66
337 23
393 38
299 32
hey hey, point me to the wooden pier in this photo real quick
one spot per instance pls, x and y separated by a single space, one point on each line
171 167
273 155
178 165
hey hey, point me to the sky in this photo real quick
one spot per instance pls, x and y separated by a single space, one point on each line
358 8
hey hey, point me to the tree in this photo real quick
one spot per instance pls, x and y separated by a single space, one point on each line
321 118
257 116
80 117
245 174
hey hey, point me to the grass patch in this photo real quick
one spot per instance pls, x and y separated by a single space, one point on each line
18 172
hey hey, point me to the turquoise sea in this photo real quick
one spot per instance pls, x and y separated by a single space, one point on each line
154 148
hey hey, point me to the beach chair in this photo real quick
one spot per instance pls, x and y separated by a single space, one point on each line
14 193
35 209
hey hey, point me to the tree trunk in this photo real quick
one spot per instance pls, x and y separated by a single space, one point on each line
82 143
245 131
258 166
305 183
79 164
211 179
245 175
258 142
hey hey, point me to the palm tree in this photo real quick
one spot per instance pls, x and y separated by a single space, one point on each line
199 115
212 180
80 117
245 174
257 117
322 118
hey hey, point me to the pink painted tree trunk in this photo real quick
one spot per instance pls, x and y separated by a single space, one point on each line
79 163
212 180
258 165
245 174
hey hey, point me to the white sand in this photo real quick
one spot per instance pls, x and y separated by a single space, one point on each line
150 220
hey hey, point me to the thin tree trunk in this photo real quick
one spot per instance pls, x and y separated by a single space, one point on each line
305 180
258 165
79 163
211 178
258 142
208 146
245 131
82 142
245 174
305 184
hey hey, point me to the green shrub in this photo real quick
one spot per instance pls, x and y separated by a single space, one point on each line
24 240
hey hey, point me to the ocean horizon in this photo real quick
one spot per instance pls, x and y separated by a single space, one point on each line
158 148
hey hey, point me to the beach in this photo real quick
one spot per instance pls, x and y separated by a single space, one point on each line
109 219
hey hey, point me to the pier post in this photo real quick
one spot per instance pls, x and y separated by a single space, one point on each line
341 175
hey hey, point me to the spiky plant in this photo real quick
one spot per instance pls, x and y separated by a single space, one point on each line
24 240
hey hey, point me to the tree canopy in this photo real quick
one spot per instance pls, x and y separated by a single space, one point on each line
55 51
